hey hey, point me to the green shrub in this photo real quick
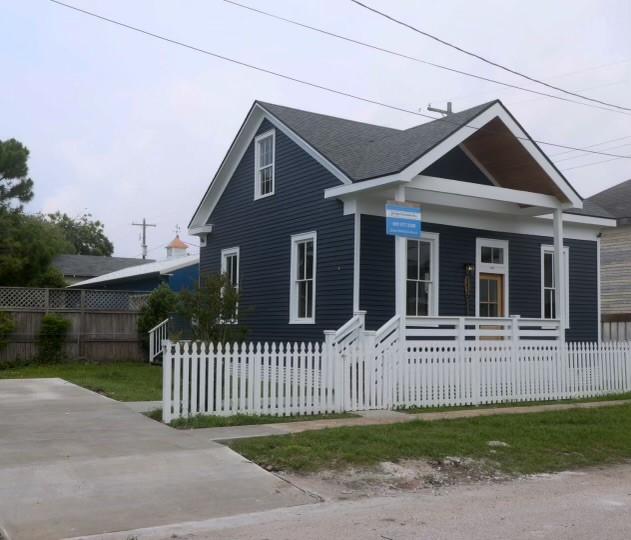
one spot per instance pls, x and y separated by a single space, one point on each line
7 326
52 336
160 305
214 310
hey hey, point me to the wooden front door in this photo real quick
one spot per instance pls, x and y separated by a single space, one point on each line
491 301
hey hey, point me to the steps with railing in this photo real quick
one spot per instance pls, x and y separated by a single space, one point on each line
157 335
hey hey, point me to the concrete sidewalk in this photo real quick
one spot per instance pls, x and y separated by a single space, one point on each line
75 463
375 418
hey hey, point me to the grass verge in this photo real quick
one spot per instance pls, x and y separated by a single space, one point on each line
609 397
123 381
206 421
540 442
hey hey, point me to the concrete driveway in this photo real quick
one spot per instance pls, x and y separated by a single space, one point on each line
75 463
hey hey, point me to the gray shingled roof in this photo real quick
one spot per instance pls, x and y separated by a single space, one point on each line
363 151
616 200
87 266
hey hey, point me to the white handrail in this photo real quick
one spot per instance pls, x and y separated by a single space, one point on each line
157 335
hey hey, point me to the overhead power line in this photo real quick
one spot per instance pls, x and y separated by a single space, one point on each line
415 59
314 85
609 149
483 59
591 145
589 164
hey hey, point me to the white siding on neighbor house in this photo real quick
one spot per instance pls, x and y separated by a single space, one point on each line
615 270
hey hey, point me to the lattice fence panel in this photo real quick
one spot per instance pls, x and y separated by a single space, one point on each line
23 297
64 299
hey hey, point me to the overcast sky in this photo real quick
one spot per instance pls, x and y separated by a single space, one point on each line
125 126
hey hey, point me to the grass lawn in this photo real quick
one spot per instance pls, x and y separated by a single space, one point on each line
123 381
540 442
204 421
609 397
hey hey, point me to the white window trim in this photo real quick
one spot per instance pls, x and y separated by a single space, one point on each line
293 287
566 292
434 291
487 268
257 185
225 253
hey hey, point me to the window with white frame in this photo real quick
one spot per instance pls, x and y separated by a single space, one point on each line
421 284
230 268
303 278
264 155
548 284
230 265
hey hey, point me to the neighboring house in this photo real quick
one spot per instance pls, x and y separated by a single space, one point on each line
77 268
295 216
615 245
179 271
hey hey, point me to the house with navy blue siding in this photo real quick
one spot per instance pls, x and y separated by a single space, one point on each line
296 216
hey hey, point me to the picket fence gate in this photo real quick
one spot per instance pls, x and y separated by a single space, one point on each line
358 370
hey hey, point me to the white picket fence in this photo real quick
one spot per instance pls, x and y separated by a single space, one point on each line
276 379
355 369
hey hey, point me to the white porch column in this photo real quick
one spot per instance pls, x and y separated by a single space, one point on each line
356 260
559 272
400 263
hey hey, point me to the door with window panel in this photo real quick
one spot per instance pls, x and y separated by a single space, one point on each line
491 303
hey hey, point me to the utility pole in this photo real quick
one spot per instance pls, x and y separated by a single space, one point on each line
144 226
444 112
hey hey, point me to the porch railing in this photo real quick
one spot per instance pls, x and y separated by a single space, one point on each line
157 335
486 328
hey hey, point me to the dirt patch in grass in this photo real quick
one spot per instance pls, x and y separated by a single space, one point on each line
389 479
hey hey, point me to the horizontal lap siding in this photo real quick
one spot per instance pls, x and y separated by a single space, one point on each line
457 247
262 229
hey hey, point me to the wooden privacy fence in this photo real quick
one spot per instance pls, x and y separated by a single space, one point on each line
103 324
373 370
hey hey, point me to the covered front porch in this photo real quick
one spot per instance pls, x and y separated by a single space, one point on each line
491 249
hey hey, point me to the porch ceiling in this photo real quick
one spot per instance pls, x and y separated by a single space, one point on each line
506 160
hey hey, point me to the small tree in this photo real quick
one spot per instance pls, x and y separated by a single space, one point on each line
213 310
7 327
52 337
161 304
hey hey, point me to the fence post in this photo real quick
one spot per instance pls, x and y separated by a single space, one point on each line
514 353
328 360
166 382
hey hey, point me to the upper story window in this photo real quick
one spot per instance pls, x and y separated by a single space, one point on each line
264 156
303 278
548 284
421 296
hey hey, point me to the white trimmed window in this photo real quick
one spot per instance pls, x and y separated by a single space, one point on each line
230 265
548 284
421 284
264 168
303 278
230 268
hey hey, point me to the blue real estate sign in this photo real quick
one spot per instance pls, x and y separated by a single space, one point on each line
403 219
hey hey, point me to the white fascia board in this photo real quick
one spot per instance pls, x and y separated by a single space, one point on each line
489 221
235 154
455 139
480 191
203 229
